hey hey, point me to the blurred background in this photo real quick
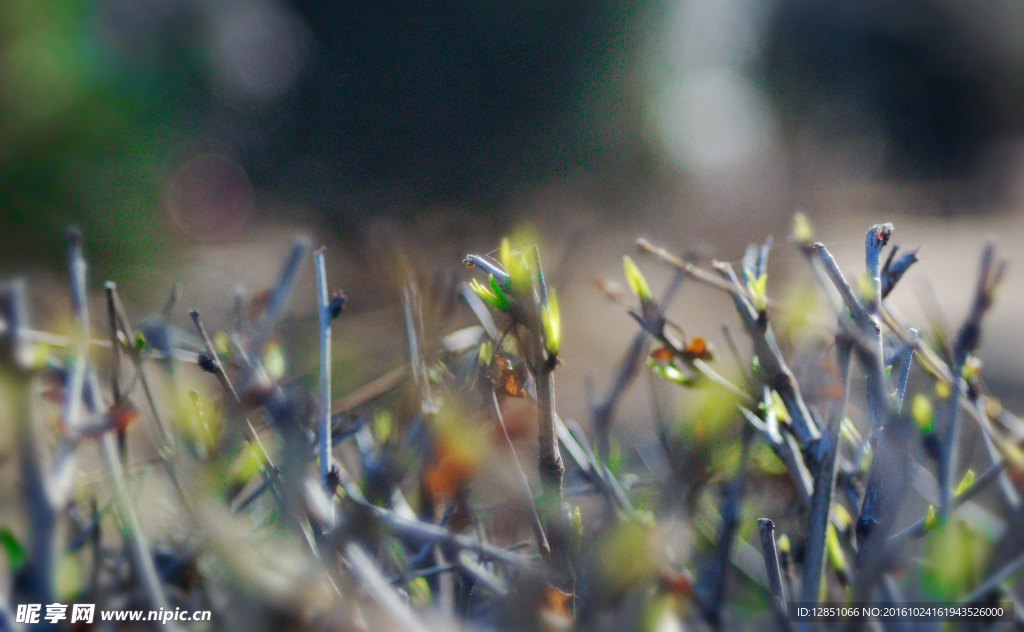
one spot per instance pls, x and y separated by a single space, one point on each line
192 138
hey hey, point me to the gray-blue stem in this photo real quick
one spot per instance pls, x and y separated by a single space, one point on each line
324 411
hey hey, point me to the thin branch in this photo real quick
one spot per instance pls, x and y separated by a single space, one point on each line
481 575
535 521
115 368
868 344
966 342
141 557
383 594
731 341
821 505
595 471
628 368
222 377
427 533
551 466
80 306
712 579
693 271
1005 572
279 296
919 528
1006 486
369 391
786 448
40 509
908 361
115 345
771 565
324 406
773 371
166 437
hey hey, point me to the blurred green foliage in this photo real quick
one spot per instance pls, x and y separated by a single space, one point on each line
83 132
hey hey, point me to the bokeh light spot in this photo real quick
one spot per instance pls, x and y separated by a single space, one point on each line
210 197
713 120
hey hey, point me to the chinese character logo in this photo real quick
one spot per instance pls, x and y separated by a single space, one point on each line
56 612
83 612
28 613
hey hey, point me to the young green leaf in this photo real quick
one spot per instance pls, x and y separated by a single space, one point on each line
784 544
419 592
382 424
274 361
502 304
68 580
921 409
506 253
954 557
552 321
779 407
835 549
841 516
636 279
485 352
247 463
965 482
758 289
14 549
802 233
671 373
490 296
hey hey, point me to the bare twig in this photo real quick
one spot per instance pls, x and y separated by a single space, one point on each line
423 532
821 506
166 438
141 557
279 296
115 345
1006 486
771 565
628 368
869 344
967 339
535 522
115 368
380 590
1005 572
40 506
693 271
908 361
575 442
229 387
324 406
787 450
369 391
919 528
551 467
773 371
80 306
712 580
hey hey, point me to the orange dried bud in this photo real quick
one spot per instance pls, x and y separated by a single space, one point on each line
556 601
677 582
662 354
123 413
510 378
